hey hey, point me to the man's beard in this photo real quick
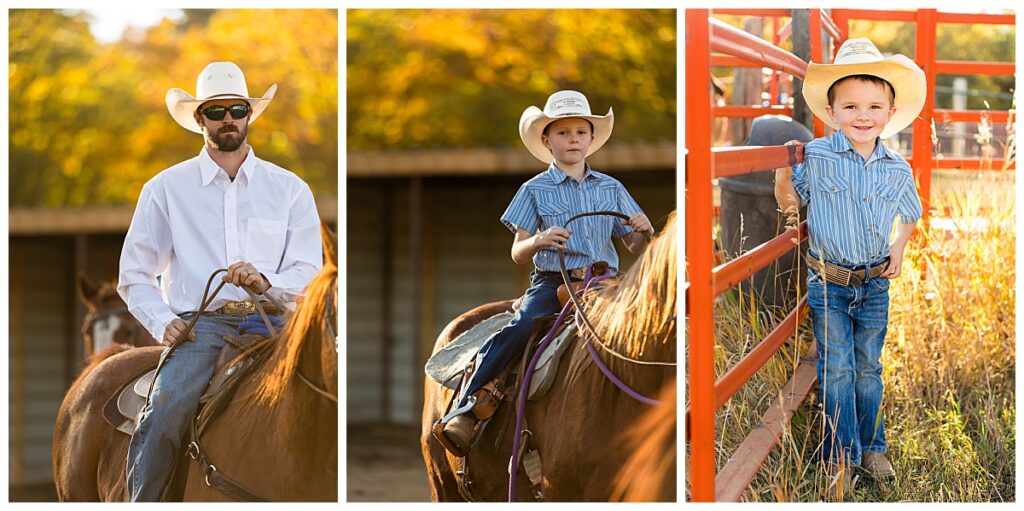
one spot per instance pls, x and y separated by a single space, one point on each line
229 137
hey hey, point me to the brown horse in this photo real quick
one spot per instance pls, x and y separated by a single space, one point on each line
578 429
107 320
278 437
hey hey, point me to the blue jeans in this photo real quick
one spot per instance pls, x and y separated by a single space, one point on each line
850 324
540 300
172 405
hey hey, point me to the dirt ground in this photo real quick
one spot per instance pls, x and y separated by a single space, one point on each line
384 464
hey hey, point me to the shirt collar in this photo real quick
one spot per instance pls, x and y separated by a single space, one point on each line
841 144
558 176
209 168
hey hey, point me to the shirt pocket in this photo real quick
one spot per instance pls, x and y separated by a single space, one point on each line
888 188
554 211
264 244
832 183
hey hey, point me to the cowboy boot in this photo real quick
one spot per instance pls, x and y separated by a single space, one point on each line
877 466
459 431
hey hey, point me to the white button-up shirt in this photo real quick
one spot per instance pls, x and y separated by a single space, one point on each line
192 219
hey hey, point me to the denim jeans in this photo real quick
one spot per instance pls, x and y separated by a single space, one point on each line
849 324
172 405
540 300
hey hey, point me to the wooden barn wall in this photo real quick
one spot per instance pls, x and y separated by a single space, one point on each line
465 262
40 324
363 335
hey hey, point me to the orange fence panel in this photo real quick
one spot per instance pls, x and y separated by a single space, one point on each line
733 41
743 266
741 111
699 255
740 373
733 161
960 67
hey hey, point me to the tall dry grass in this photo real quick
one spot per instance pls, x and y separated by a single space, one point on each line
948 368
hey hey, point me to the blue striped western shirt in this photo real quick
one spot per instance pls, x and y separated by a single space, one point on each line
550 198
853 202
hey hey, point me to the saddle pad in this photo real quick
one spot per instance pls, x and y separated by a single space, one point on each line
547 365
131 400
446 366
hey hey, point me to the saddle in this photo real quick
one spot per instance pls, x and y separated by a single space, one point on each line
447 366
124 409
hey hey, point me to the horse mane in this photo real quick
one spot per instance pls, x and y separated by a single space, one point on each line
637 315
309 320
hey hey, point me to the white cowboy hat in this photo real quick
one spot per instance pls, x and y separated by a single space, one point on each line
218 80
562 105
860 57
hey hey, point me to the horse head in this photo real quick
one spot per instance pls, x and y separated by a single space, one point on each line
107 320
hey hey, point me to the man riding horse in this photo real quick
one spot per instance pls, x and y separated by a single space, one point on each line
222 208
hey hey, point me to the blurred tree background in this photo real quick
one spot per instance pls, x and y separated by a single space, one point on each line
429 78
88 122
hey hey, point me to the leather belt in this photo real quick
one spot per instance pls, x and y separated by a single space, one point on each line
844 276
245 308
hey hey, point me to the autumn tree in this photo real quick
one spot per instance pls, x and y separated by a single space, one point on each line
420 78
89 124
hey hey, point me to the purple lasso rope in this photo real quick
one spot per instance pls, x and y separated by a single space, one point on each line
608 373
524 388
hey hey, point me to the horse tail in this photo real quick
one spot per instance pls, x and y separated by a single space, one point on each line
649 475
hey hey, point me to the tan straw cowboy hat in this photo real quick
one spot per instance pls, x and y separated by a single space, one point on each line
860 57
562 105
218 80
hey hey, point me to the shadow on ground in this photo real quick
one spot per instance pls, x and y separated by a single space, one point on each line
385 464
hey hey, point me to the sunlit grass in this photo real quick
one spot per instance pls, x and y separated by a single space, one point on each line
948 368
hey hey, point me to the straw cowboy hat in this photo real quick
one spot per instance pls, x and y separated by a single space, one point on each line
860 57
218 80
562 105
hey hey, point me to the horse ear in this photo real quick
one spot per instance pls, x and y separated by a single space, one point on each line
86 289
330 242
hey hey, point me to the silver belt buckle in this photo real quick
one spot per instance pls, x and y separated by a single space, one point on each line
578 273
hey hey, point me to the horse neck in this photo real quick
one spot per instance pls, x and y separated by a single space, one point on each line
302 418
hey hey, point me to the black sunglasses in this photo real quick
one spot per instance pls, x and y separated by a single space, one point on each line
217 112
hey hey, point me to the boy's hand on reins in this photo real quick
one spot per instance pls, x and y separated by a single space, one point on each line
553 237
640 223
174 329
246 275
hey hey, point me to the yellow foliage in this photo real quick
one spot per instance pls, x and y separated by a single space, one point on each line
88 123
454 77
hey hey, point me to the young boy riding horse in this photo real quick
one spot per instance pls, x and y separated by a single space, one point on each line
561 135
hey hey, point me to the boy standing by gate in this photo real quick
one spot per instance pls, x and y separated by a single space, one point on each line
856 187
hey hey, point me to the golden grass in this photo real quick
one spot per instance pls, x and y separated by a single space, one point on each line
948 368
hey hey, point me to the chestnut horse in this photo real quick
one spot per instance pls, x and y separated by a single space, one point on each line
107 320
278 437
578 428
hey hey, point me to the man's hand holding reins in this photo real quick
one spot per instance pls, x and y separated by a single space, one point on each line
246 275
174 329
